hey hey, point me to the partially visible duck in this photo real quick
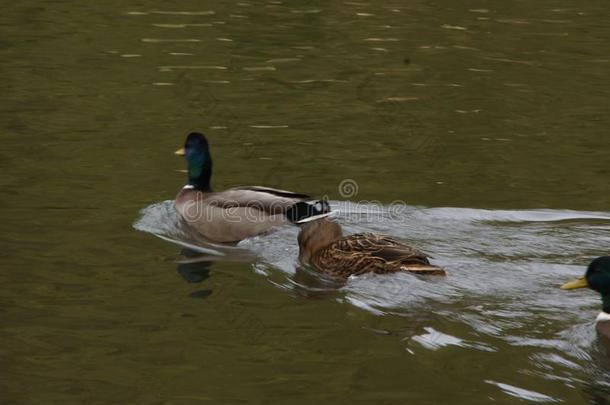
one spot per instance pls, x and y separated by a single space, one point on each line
230 215
323 246
597 278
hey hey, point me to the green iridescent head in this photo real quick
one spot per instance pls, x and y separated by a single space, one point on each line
596 278
197 153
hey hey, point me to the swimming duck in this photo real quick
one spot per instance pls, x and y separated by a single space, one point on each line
230 215
597 278
323 246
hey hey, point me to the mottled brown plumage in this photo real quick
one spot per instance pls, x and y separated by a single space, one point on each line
322 246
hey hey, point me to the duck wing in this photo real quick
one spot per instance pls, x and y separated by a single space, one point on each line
275 191
384 247
370 253
269 200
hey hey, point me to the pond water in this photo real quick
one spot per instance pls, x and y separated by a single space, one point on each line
477 131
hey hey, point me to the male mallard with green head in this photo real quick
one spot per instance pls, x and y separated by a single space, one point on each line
323 246
230 215
597 278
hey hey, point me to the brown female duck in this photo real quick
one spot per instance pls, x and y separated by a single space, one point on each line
323 246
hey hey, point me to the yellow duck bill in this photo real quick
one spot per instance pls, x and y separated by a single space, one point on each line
580 282
180 152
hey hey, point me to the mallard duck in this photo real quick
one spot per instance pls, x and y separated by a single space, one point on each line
230 215
597 278
323 246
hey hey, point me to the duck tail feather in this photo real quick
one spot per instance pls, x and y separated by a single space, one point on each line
307 210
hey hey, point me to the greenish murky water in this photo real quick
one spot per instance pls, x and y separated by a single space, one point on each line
499 108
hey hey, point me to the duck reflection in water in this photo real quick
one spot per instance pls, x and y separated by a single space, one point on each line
194 267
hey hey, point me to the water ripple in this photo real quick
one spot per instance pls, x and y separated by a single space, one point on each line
522 393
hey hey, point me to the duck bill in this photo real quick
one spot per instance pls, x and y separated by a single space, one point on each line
180 152
580 282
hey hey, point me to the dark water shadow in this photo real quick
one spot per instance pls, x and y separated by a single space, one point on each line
597 393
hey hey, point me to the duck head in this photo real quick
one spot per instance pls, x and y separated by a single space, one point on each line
596 278
197 154
316 230
316 235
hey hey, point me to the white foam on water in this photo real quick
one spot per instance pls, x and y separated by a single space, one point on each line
522 393
504 272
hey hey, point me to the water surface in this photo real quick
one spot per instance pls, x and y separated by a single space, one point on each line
497 109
